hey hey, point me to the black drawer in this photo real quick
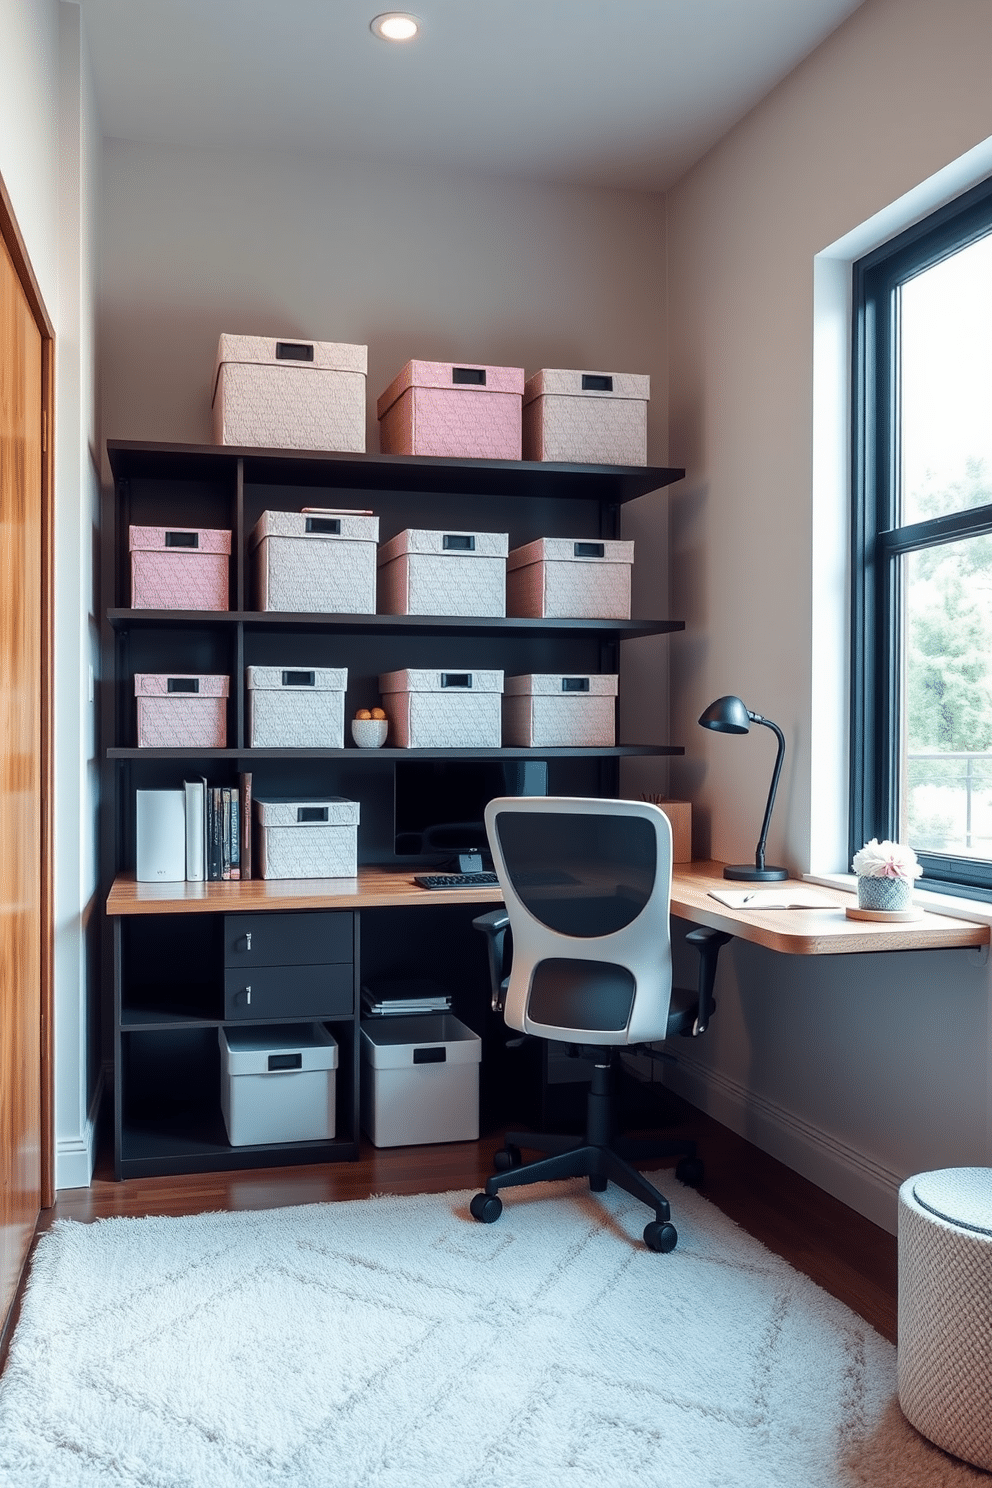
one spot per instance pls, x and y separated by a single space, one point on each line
282 939
274 992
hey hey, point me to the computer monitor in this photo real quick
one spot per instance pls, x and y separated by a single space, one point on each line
439 805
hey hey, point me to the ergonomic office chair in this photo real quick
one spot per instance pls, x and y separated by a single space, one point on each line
587 885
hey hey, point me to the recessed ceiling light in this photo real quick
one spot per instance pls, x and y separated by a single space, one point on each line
396 25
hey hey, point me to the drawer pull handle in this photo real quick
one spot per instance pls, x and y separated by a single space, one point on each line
247 940
248 995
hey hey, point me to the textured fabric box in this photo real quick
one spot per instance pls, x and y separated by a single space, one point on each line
307 839
290 394
278 1083
181 711
296 707
443 709
589 418
320 562
420 1080
443 573
179 568
569 578
436 408
551 711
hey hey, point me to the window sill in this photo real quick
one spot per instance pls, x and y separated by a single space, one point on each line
956 907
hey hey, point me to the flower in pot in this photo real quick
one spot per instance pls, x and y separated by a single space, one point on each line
886 872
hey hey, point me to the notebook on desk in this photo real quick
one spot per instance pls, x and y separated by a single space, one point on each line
787 898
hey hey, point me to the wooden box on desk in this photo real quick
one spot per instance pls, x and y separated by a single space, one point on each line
679 813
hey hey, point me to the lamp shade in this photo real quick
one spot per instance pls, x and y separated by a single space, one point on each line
727 715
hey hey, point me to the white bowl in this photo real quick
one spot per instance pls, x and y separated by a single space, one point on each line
369 733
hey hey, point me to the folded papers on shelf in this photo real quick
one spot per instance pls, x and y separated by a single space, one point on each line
401 999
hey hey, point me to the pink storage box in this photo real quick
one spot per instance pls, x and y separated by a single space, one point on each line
569 578
437 408
549 711
179 568
588 418
290 394
442 710
443 573
181 711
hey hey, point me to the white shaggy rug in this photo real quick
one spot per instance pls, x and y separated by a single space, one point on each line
395 1342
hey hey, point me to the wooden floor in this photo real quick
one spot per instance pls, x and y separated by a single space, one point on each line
838 1249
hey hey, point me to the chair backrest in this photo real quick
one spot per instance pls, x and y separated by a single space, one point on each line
587 885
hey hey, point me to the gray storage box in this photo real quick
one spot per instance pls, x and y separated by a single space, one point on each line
307 839
570 578
290 394
315 561
420 1080
443 709
296 707
590 418
443 573
278 1083
549 711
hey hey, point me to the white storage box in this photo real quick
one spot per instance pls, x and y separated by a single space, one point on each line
443 709
420 1080
278 1083
443 573
290 394
179 568
296 707
569 578
550 711
307 839
590 418
315 561
181 711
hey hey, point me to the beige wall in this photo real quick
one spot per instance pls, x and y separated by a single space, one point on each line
846 1068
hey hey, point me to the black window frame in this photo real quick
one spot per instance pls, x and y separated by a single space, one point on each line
878 541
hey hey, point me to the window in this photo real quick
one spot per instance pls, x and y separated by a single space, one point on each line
922 576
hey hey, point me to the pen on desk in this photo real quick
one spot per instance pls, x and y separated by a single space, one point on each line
747 898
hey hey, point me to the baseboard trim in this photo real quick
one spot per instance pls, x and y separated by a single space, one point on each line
75 1157
858 1181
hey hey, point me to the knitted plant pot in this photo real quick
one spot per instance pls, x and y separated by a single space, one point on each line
884 893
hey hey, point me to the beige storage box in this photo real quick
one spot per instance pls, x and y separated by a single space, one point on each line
181 711
550 711
443 709
587 418
278 1083
563 578
420 1080
307 839
315 561
306 395
436 408
179 568
443 573
296 707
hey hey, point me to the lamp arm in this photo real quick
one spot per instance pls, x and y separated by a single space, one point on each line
759 852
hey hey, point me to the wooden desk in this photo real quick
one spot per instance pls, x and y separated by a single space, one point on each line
798 932
812 932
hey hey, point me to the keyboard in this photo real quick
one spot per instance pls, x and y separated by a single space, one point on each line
455 880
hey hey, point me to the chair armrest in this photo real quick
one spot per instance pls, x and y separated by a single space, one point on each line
707 942
494 926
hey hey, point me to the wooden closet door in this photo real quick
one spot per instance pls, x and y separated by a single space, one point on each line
21 892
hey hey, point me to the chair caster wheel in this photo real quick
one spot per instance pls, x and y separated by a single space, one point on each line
507 1157
487 1208
661 1237
690 1171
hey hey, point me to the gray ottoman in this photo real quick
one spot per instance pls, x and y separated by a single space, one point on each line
945 1309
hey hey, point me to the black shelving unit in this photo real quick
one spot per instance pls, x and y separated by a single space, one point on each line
167 1111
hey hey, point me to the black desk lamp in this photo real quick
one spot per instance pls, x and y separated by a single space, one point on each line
728 715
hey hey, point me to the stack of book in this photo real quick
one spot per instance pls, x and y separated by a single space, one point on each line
401 999
218 830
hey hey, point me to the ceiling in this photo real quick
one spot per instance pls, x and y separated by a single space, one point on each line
624 93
